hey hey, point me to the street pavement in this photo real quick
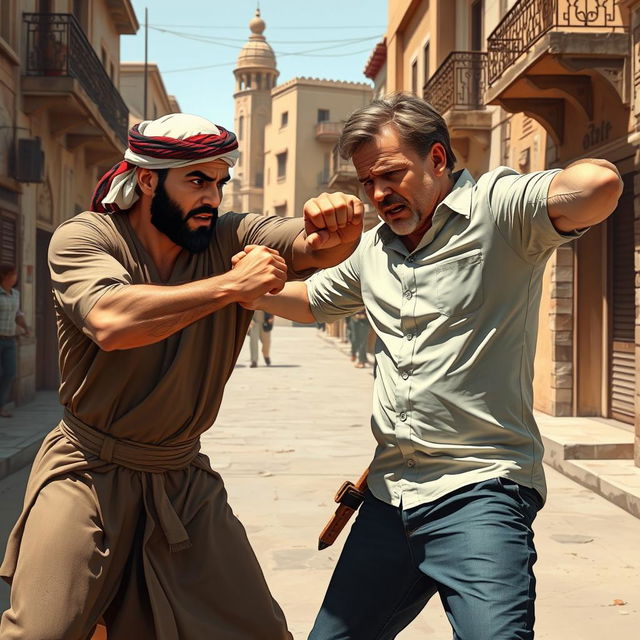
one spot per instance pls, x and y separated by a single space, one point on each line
288 435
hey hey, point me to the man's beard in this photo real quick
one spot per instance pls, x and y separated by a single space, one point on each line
167 217
402 226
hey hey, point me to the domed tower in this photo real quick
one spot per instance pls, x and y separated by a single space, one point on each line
256 75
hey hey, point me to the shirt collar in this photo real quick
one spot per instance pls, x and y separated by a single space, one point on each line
457 200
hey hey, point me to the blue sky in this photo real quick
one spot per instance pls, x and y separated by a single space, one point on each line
213 31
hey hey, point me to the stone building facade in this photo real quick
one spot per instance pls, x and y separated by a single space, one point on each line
538 84
63 122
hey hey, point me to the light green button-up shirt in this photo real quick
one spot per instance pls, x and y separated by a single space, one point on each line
456 323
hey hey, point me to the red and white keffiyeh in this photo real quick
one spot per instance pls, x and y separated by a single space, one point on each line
175 140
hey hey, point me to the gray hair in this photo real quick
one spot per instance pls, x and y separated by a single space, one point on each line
418 124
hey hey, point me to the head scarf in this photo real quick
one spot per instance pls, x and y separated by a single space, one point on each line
175 140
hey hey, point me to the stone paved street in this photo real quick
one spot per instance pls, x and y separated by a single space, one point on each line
289 435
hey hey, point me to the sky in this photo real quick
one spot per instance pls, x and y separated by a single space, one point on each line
330 39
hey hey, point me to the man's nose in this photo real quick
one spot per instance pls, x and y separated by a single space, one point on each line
380 191
212 197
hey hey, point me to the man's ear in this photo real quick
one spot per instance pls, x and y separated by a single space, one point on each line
438 156
147 181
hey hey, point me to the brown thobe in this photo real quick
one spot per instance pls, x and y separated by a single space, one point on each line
124 520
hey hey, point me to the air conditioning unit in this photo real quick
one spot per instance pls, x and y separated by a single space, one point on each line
29 160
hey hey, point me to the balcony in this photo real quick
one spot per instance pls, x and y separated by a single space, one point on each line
64 76
342 174
456 91
328 131
555 59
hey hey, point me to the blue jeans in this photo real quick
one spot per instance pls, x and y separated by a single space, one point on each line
473 546
8 367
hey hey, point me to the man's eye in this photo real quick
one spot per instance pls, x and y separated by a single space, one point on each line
198 181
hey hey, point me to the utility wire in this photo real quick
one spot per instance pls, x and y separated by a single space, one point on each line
216 38
228 64
217 26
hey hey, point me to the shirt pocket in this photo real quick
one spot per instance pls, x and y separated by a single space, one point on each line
459 284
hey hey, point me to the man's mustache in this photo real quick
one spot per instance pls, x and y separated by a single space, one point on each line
387 201
203 209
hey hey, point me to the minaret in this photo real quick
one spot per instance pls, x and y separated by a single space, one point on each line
256 75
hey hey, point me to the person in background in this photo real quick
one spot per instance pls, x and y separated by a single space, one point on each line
261 327
10 316
359 335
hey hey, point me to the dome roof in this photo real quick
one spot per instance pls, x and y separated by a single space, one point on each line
257 52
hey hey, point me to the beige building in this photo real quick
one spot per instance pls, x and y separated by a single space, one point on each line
63 122
308 116
538 85
286 133
159 102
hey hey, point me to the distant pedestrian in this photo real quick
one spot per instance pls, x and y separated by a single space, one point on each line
260 331
359 337
10 316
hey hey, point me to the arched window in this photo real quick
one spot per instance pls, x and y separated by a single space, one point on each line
240 127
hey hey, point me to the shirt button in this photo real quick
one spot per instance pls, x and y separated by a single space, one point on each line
408 295
403 416
411 462
405 375
409 336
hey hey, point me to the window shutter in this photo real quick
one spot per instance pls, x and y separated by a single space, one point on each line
8 253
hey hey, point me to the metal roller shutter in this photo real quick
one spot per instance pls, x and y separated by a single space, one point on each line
622 356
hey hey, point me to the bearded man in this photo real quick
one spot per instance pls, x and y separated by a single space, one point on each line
124 520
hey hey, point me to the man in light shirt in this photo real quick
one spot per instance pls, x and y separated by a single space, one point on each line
451 282
10 316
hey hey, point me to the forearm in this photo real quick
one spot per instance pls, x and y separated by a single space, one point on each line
138 315
22 323
584 194
291 303
304 257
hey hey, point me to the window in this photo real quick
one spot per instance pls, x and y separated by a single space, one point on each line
284 119
282 165
476 26
323 115
414 77
240 127
426 72
281 210
6 21
259 179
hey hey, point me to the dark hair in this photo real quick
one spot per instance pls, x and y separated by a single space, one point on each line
418 124
162 175
6 268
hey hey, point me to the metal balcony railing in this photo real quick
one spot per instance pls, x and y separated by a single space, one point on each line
57 46
459 82
529 20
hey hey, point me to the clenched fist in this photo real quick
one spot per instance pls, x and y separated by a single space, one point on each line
255 271
332 219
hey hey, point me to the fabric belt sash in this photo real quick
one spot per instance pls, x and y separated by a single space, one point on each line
149 458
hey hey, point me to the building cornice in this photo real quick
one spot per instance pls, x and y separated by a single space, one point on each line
303 81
